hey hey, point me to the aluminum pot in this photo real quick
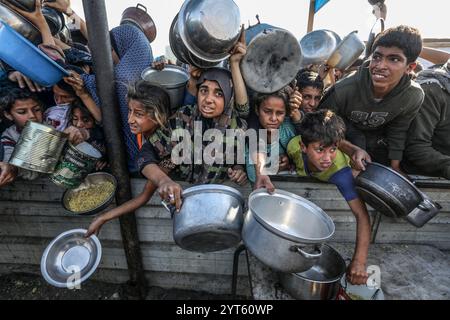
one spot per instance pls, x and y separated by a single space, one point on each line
285 231
393 195
27 5
139 17
20 24
210 218
272 61
55 19
317 46
347 52
38 148
171 78
209 28
321 282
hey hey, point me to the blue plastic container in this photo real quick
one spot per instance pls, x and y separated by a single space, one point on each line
23 56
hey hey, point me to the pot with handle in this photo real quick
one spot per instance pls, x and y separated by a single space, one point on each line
285 231
393 195
139 17
210 218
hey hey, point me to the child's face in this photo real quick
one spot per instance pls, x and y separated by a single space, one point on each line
387 67
311 97
320 157
271 113
139 120
61 96
211 101
24 110
81 121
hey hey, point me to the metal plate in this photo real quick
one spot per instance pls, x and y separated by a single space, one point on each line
272 61
70 259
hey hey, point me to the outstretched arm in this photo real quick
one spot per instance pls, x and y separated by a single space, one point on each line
240 91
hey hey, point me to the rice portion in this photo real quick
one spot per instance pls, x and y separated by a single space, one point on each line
91 197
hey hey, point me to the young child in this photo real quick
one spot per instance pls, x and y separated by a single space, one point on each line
311 88
315 153
380 100
148 110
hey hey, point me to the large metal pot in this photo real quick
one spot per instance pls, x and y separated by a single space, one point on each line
317 46
393 195
321 282
38 148
272 61
285 231
27 5
20 24
171 78
210 218
209 28
347 52
139 17
55 19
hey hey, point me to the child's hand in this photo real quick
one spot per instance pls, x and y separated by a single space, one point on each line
94 227
77 83
36 17
284 163
170 191
77 135
7 173
237 175
264 182
24 81
240 49
60 5
356 273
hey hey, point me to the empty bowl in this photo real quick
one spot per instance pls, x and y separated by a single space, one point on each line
70 259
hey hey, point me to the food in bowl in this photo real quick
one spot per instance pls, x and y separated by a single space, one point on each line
90 197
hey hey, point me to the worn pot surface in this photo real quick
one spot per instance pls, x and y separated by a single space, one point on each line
20 24
347 52
272 61
317 46
139 17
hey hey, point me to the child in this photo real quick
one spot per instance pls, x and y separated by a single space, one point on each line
311 88
380 100
148 110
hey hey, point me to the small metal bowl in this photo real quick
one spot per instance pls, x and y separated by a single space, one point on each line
317 46
92 178
70 259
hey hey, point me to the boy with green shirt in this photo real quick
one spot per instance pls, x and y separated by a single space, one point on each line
379 102
315 153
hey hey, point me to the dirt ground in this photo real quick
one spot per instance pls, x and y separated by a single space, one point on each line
34 287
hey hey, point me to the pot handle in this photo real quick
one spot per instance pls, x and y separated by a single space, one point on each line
169 207
141 5
307 255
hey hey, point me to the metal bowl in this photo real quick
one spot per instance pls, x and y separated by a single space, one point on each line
27 5
55 19
70 259
91 179
347 52
209 28
20 24
317 46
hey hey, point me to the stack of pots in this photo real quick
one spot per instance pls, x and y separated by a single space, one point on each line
204 31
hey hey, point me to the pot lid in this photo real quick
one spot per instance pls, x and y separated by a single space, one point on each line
213 188
291 216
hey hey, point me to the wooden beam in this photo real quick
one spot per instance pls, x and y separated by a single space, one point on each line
311 16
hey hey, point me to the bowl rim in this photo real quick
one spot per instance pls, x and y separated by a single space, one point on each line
97 209
185 37
29 44
94 267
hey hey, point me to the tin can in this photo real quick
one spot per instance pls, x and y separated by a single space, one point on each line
76 163
38 148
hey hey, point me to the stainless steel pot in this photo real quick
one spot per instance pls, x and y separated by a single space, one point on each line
210 218
285 231
317 46
171 78
393 195
20 24
27 5
38 148
272 61
55 19
347 52
321 282
209 28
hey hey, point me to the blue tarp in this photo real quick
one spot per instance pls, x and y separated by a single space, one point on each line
319 4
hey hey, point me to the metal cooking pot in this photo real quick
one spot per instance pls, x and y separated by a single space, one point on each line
209 28
317 46
171 78
272 61
39 148
55 19
210 218
20 24
321 282
347 52
181 52
393 195
285 231
27 5
377 28
139 17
